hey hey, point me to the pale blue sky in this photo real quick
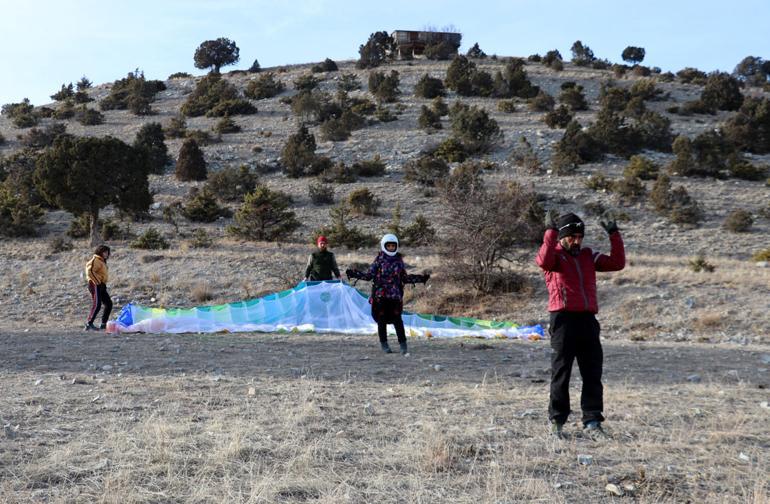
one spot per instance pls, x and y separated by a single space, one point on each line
44 43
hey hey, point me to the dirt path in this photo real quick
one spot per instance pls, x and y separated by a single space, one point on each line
335 357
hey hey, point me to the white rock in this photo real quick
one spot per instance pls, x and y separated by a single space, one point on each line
694 378
744 457
437 367
585 459
369 409
613 489
10 431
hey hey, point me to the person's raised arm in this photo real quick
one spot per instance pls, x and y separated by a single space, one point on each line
546 256
616 261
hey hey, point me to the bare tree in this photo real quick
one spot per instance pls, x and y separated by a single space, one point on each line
485 227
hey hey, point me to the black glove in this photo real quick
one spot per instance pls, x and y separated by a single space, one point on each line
349 273
550 219
425 278
610 226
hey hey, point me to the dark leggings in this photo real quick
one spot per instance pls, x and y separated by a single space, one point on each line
382 332
99 297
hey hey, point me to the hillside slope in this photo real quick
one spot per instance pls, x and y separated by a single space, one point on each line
656 297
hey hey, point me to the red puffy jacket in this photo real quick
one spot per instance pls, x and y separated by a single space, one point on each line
571 280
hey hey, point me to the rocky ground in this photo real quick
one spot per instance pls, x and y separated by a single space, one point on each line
193 418
328 418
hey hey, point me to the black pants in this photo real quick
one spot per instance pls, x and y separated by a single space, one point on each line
382 332
99 297
576 335
388 311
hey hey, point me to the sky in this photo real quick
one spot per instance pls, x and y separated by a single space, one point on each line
47 43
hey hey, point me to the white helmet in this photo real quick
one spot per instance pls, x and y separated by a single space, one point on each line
389 238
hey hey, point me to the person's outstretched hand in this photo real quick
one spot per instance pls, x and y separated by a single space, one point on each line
550 219
609 225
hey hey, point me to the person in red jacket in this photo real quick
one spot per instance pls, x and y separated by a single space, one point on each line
570 276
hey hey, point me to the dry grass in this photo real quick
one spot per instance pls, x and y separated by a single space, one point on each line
160 427
474 432
201 293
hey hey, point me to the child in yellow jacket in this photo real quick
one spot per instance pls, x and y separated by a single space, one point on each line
96 273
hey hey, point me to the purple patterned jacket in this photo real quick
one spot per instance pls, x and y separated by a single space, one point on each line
388 276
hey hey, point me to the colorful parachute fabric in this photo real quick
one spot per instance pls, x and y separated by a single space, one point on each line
329 306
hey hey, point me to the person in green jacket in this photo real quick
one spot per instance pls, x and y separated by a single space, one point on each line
321 264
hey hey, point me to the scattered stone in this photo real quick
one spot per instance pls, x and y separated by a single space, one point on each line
629 487
585 459
694 378
10 431
38 381
79 380
764 404
613 489
107 367
763 264
95 399
252 391
744 457
765 359
369 409
437 367
528 413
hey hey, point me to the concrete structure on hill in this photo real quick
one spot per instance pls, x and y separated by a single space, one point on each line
413 43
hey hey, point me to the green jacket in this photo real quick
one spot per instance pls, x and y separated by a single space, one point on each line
321 265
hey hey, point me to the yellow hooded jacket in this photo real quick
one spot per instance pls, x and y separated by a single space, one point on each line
96 270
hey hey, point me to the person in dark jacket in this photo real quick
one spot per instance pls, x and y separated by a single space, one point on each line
570 275
322 263
388 276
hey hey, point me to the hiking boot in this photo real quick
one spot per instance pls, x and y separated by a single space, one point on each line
386 348
404 351
595 431
557 430
90 327
103 326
